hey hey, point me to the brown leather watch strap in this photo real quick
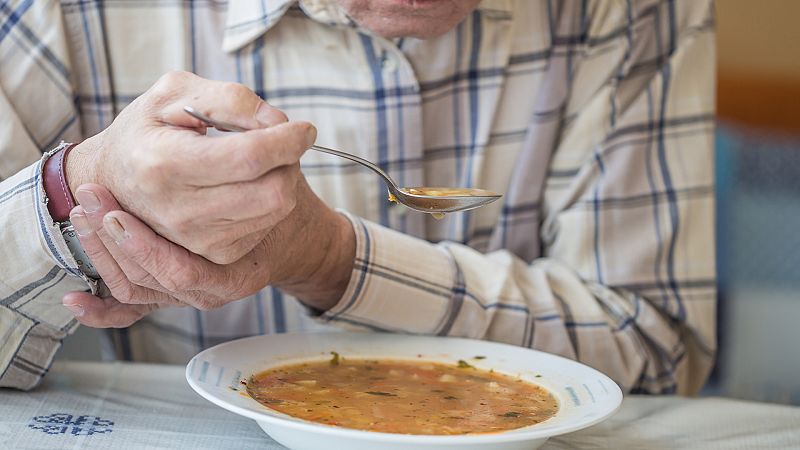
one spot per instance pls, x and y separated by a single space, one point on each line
59 198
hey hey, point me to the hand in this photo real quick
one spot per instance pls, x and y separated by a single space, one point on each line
215 196
310 254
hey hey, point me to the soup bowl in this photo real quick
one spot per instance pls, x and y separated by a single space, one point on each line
585 396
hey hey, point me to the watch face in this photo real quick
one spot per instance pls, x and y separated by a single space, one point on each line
81 258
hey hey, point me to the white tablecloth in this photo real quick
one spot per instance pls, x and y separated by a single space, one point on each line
133 406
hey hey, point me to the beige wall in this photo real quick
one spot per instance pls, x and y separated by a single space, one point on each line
759 37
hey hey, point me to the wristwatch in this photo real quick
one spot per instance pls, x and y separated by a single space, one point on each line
60 202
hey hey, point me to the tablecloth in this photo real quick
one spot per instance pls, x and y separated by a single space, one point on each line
134 406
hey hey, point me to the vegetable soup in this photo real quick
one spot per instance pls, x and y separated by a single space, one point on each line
409 397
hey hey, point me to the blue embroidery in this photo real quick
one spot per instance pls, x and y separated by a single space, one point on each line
61 423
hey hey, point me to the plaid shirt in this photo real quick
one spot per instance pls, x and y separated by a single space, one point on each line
594 118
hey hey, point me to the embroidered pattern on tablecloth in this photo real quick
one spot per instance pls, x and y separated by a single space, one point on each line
62 423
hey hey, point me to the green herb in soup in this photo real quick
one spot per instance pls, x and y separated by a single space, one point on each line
409 397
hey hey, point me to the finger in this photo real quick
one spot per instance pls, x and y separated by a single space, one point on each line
178 270
227 102
238 157
108 269
104 312
271 195
95 201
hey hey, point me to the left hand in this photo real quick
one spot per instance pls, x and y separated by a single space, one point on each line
310 254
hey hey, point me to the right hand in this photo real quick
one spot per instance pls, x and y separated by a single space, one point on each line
216 196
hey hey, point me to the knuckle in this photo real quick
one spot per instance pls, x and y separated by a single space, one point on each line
166 85
180 277
95 254
172 79
235 92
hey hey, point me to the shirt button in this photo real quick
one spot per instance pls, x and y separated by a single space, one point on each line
389 64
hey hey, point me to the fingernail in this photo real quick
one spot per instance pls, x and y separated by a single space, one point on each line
311 133
88 200
76 310
80 224
114 228
264 114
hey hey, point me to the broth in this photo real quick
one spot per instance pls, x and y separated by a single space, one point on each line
447 192
409 397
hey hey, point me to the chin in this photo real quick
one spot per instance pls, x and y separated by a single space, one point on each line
411 30
422 19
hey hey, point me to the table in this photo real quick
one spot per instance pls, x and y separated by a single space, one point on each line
134 406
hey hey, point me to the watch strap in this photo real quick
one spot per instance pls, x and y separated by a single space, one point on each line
54 177
81 258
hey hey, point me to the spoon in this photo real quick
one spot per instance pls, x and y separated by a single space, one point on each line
434 200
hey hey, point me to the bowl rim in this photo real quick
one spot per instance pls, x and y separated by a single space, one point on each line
515 435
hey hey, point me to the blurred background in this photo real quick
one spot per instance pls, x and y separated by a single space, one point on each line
758 208
758 200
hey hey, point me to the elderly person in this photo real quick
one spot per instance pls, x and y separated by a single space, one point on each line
595 120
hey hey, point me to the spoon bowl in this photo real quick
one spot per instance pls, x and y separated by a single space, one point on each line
433 200
443 200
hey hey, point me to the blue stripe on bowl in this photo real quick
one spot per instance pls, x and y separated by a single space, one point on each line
573 395
203 372
589 391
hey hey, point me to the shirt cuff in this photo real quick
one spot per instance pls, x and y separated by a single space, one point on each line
398 283
50 232
29 349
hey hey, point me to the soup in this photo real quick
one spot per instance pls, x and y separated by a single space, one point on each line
442 192
447 192
409 397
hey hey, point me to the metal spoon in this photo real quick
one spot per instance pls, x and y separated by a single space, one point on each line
445 200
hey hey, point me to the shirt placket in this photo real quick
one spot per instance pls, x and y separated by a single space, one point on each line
398 132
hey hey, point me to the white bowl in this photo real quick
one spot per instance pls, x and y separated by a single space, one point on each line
585 396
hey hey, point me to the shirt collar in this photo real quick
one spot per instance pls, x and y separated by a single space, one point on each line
248 20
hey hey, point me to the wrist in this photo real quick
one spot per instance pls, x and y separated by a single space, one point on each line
324 263
79 164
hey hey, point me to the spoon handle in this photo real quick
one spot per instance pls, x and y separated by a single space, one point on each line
359 160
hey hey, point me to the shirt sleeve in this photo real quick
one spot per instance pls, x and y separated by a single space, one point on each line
36 268
626 280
